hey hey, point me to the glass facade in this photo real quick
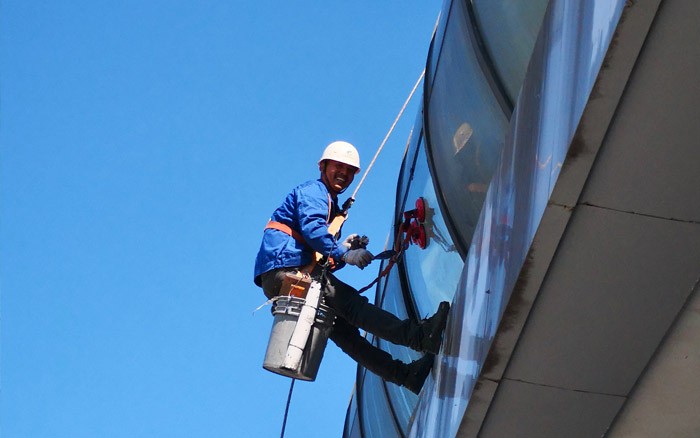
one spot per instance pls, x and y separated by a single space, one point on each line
352 421
432 273
509 29
506 84
377 419
563 67
465 123
402 401
408 166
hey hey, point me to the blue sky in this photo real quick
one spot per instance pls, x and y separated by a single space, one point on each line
143 146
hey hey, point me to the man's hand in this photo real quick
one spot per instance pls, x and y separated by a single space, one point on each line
358 257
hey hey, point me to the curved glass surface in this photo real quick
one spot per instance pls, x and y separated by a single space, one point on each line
408 163
402 400
352 420
377 417
565 63
432 272
466 126
436 45
509 29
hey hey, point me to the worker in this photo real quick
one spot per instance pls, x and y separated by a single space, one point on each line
304 217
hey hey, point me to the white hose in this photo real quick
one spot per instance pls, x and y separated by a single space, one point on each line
300 336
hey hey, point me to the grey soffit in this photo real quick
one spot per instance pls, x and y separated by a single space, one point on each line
548 412
649 163
613 290
665 401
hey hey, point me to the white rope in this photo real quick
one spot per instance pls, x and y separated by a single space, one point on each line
408 99
266 303
388 134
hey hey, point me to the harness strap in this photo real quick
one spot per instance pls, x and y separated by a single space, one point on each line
279 226
399 247
333 228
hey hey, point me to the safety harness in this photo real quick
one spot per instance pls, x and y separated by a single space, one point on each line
333 228
279 226
411 231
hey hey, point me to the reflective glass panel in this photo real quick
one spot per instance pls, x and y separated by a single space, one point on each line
409 160
432 272
402 400
436 43
565 62
352 421
509 29
377 417
466 127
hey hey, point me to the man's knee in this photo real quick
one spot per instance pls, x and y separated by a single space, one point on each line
344 335
341 296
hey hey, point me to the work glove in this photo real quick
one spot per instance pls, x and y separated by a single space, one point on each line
358 257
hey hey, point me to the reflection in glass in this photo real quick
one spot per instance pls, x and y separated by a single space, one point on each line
466 127
565 62
377 418
402 400
352 420
432 272
509 29
407 165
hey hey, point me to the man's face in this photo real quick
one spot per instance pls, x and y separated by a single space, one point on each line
337 176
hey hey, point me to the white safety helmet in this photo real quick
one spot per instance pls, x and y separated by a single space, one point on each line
343 152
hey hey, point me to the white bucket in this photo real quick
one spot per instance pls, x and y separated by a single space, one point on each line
286 311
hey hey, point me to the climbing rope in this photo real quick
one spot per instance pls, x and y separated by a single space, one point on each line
388 134
350 200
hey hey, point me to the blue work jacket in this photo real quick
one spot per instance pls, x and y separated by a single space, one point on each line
307 209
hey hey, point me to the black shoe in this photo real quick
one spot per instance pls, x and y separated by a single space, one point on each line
418 371
432 328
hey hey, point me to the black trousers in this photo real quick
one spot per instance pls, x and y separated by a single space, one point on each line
354 311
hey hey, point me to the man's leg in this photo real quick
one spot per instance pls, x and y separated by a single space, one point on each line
359 312
378 361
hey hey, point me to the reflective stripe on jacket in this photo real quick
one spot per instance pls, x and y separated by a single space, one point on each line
307 209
